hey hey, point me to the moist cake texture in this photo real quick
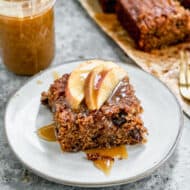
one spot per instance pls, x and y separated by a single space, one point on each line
117 122
153 23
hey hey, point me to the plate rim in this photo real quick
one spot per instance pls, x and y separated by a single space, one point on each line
101 184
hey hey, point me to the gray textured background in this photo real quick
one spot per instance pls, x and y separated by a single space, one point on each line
77 38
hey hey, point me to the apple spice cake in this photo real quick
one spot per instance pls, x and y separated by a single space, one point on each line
116 122
153 23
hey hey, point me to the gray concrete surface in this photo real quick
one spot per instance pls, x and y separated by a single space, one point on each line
77 38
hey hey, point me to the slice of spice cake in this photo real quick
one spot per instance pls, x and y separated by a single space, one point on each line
115 121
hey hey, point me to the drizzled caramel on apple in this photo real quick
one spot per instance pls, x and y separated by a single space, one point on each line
99 77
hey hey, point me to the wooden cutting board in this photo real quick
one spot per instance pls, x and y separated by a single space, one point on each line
164 64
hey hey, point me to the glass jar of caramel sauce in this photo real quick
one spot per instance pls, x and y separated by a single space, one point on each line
27 40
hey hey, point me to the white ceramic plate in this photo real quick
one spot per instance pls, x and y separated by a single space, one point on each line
24 114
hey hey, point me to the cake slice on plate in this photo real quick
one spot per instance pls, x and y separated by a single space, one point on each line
95 106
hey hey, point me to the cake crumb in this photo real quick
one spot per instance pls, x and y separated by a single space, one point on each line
55 75
39 82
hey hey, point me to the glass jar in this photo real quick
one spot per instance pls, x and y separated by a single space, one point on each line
27 38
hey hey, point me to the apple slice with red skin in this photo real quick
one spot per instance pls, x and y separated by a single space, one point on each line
99 85
75 85
91 86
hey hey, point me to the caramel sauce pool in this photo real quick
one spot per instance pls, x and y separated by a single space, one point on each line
106 162
47 132
106 155
104 165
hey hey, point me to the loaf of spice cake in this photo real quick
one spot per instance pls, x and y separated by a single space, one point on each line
153 23
108 6
117 122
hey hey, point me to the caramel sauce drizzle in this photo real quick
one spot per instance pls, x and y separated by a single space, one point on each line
47 132
107 156
104 165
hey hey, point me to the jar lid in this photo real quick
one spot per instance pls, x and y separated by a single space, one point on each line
24 8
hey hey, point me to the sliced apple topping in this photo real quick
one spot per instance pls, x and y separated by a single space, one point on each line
99 85
76 81
91 86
